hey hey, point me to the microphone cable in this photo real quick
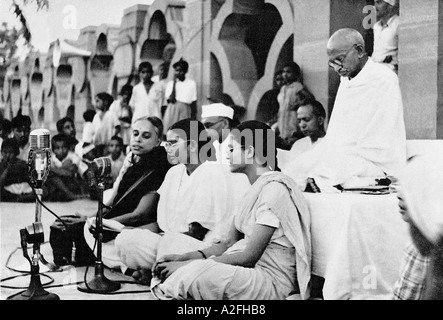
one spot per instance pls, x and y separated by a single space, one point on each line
119 281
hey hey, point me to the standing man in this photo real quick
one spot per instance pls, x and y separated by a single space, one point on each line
366 136
181 94
146 98
218 121
386 33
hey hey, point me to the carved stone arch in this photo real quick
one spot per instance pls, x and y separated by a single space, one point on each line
162 35
227 85
279 47
278 56
219 53
102 44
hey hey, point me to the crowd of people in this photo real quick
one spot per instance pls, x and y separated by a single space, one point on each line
201 208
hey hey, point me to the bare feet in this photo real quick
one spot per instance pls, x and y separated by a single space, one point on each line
142 276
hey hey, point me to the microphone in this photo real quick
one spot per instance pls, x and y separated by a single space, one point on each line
99 169
39 159
39 156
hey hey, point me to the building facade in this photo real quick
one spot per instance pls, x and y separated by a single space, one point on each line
234 48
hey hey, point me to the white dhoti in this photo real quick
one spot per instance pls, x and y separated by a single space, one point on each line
110 254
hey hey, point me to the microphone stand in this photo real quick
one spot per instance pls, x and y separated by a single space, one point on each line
99 284
34 234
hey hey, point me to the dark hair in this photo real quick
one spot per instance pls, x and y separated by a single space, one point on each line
302 97
106 98
21 121
5 125
126 89
60 123
317 108
295 68
145 65
118 139
156 122
183 64
195 130
88 115
262 138
165 65
60 138
11 143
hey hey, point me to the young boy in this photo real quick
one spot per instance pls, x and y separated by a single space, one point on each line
67 176
115 153
105 124
88 129
5 131
14 184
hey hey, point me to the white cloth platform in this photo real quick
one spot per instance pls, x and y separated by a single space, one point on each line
357 244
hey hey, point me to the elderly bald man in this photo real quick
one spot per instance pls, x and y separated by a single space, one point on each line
366 138
386 33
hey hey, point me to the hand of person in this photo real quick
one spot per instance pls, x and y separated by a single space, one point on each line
388 59
113 225
69 166
164 269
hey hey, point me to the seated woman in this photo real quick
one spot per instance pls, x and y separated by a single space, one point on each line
268 252
197 199
133 198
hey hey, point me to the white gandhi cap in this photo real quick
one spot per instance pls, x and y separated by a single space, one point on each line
217 110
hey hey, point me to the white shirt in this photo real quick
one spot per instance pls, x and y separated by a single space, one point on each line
144 104
74 158
208 196
88 132
103 124
302 145
185 91
386 41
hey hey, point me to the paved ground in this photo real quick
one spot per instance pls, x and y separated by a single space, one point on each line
16 216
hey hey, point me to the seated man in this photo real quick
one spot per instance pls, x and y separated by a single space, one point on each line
197 201
311 120
366 136
218 121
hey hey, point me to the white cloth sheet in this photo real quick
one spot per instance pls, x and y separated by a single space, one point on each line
357 244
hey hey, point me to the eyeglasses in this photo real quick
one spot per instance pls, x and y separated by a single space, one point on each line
211 124
173 143
338 62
